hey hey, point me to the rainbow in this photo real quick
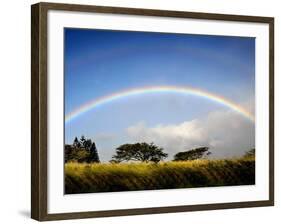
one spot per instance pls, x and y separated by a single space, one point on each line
157 89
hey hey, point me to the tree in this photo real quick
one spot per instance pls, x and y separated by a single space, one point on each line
76 143
94 156
143 152
72 154
87 144
192 154
251 153
67 152
82 141
81 151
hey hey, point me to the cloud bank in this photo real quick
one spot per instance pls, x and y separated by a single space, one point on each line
225 132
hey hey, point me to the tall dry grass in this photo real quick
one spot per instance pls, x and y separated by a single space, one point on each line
106 177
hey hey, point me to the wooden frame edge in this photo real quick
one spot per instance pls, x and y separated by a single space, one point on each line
35 192
39 110
271 111
156 210
153 12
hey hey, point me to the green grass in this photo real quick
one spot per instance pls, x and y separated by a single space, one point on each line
106 177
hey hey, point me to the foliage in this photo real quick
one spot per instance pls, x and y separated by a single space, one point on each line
139 152
94 156
72 154
110 177
82 151
192 154
76 143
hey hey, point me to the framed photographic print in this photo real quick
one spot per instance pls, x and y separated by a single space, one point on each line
140 111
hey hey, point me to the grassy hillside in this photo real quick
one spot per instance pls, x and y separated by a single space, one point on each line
103 177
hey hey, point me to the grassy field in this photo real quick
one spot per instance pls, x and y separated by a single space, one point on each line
106 177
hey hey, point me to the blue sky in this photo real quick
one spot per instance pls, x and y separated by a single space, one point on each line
102 62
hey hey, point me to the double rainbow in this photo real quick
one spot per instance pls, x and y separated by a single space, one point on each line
92 104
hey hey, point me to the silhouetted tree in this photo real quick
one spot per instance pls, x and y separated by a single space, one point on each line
94 156
76 143
67 152
192 154
82 141
87 144
81 151
143 152
72 154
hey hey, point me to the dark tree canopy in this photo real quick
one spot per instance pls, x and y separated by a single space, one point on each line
192 154
76 143
94 156
83 150
72 154
82 141
143 152
87 144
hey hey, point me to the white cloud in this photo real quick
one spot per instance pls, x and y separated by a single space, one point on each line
225 132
